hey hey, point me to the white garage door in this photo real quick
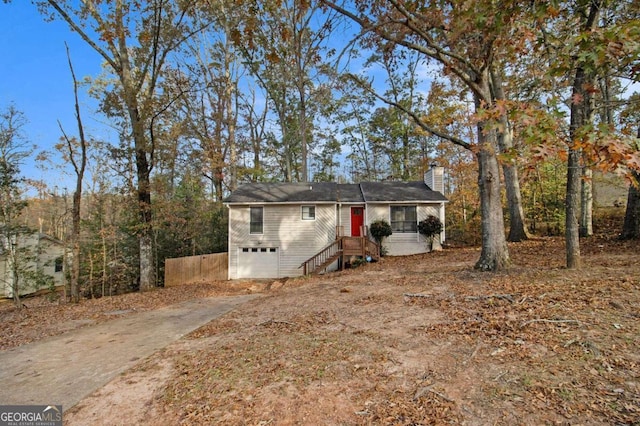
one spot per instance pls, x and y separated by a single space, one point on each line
258 262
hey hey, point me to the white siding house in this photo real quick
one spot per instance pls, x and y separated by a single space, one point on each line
286 239
275 227
43 255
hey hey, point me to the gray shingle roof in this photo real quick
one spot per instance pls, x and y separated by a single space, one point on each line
399 192
350 193
319 192
284 193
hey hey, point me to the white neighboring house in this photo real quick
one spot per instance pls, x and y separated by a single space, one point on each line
45 255
275 227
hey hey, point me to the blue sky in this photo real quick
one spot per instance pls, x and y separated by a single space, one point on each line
35 77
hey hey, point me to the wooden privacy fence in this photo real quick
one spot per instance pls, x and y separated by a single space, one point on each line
192 269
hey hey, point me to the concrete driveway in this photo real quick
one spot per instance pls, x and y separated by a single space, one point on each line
66 368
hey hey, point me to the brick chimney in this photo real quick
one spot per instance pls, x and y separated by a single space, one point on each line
434 178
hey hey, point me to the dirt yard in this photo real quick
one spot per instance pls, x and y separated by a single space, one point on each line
412 340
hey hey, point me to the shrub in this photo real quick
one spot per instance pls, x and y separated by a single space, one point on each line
357 262
430 227
380 229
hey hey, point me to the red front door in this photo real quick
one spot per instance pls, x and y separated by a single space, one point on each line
357 220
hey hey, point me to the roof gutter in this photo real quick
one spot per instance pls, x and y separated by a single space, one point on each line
273 203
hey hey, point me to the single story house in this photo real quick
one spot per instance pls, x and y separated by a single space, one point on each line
275 227
42 255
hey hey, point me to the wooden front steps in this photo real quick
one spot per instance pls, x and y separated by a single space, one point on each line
341 249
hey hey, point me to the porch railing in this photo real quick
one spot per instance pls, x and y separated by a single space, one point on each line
342 247
322 259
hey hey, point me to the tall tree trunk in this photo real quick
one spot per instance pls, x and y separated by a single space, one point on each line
580 116
406 142
143 168
230 112
586 184
303 132
75 238
495 253
91 284
256 144
233 148
105 263
586 202
517 227
572 201
631 225
147 266
143 174
217 183
255 124
574 174
79 166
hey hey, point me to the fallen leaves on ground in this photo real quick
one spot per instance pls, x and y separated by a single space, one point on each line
427 340
47 315
414 340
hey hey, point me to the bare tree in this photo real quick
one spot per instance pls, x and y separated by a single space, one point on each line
79 162
135 39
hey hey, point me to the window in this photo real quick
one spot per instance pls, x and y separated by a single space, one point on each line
259 249
404 219
57 267
255 222
308 212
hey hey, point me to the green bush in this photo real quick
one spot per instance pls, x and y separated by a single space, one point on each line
358 262
430 227
380 229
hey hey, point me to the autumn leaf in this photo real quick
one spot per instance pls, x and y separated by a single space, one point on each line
563 155
577 98
273 56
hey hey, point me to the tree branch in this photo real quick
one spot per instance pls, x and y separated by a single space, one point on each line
75 27
432 49
83 145
416 118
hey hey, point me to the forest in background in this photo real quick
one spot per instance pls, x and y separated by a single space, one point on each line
520 103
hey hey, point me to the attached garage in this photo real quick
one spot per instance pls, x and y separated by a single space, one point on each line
258 262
